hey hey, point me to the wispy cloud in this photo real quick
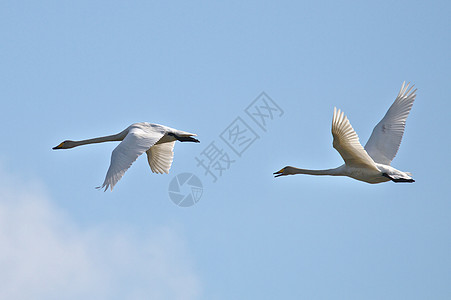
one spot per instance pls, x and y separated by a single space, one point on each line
46 255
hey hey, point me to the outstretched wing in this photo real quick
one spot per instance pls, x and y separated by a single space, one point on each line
346 142
138 140
387 135
160 157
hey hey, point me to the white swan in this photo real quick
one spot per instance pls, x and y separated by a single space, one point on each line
156 140
371 164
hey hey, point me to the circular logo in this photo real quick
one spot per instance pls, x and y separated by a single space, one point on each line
185 189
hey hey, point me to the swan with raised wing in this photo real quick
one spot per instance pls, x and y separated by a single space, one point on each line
372 163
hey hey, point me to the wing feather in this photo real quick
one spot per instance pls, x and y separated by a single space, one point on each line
138 140
346 142
160 157
386 138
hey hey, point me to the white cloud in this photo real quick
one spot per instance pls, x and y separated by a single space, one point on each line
45 255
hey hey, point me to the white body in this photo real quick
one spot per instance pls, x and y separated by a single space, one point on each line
369 175
372 163
154 139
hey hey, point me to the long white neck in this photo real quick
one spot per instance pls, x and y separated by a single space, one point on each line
109 138
332 172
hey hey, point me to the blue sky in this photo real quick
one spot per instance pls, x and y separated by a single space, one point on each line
76 70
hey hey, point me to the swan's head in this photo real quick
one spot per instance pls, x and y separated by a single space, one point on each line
284 171
65 145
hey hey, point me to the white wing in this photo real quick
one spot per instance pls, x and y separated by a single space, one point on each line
160 157
347 143
138 140
387 135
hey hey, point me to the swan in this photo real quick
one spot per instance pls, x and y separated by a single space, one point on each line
372 163
154 139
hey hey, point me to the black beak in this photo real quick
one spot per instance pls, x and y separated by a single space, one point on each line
58 147
278 173
184 138
187 139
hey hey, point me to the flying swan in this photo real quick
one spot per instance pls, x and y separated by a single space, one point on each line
372 163
156 140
